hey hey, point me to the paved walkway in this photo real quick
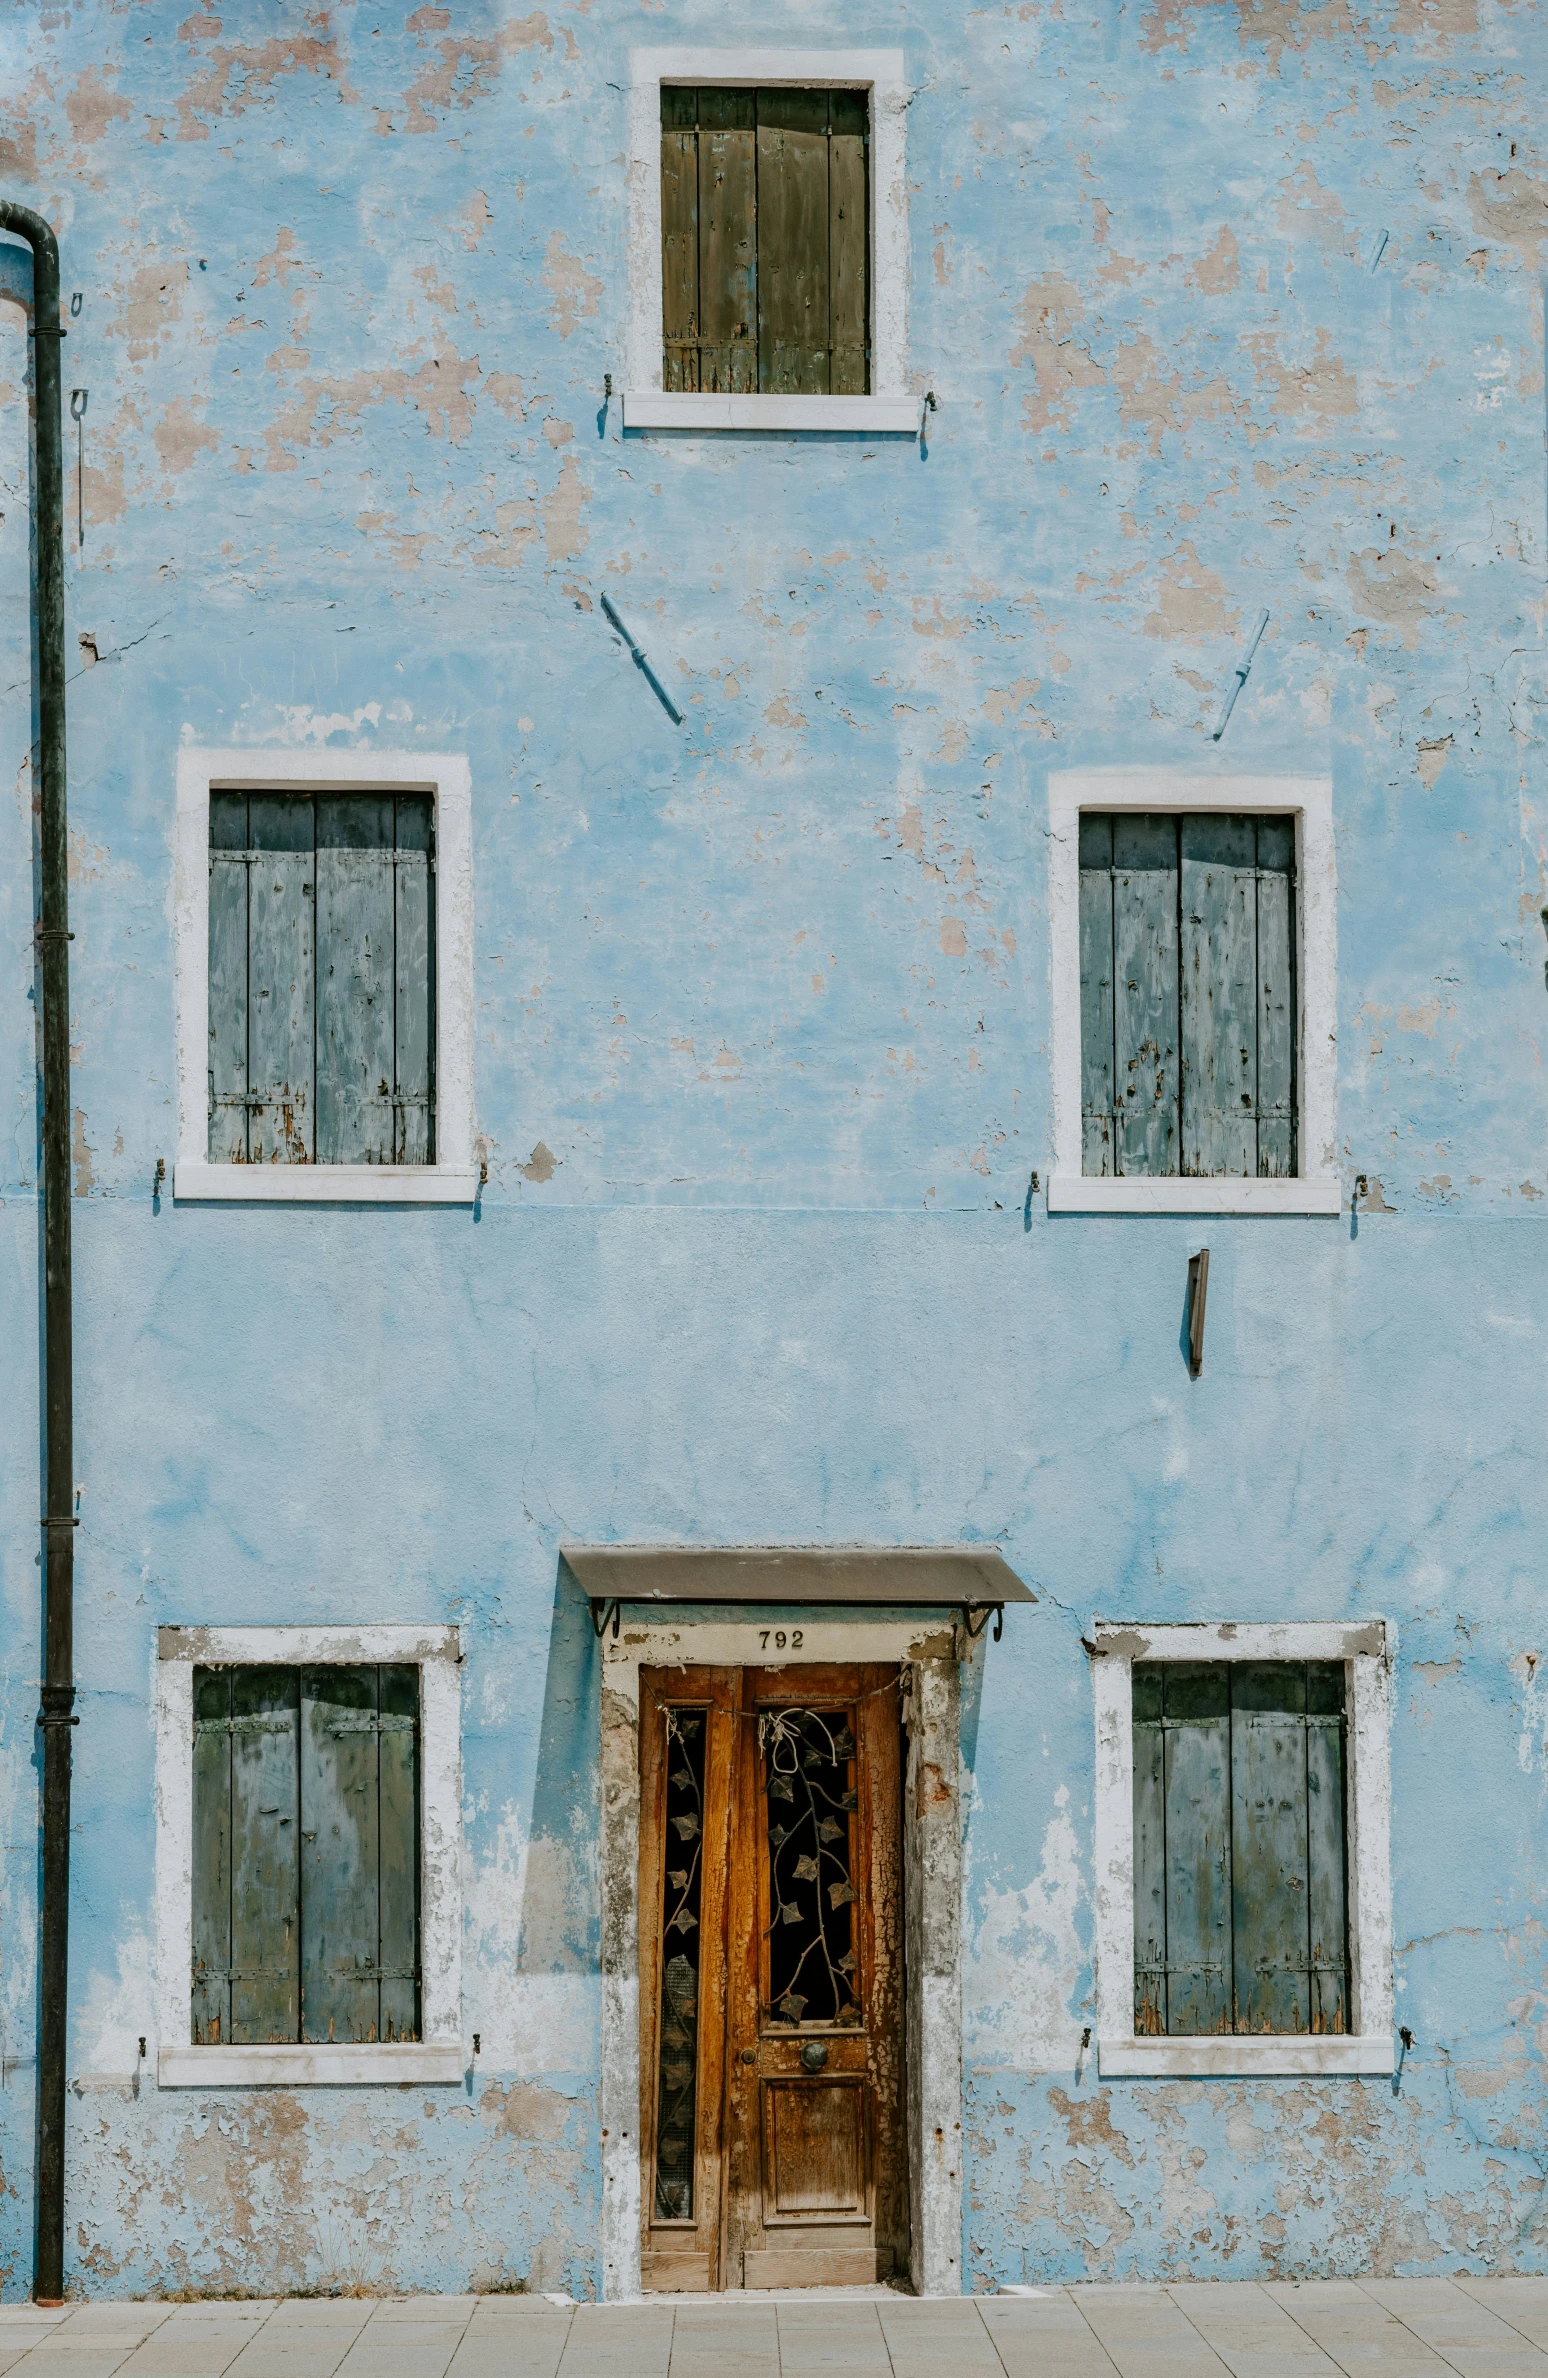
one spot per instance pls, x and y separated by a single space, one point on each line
1378 2328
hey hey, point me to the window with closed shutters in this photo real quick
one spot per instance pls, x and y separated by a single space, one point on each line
765 241
1187 995
1240 1921
321 978
306 1855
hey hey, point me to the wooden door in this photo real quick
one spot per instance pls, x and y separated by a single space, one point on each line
772 2018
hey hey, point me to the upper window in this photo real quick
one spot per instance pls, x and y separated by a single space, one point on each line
324 917
765 241
1239 1921
321 1001
1187 994
1192 948
306 1855
768 241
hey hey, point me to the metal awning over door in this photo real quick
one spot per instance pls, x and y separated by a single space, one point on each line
972 1578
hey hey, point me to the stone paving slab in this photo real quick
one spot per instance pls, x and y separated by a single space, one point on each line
1335 2328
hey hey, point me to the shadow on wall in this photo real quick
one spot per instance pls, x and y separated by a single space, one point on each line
560 1931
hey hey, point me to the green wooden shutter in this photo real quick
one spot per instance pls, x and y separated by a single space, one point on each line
280 980
728 241
356 987
1268 1852
340 1927
360 1872
265 1964
1326 1835
1276 996
228 978
1145 993
414 982
794 304
679 239
1197 1728
212 1855
398 1851
1096 999
1240 1917
849 244
1149 1853
1219 995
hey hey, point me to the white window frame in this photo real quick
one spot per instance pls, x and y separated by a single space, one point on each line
454 1177
1309 800
438 2055
890 406
1366 1651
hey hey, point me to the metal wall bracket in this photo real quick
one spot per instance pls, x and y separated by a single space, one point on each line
983 1613
599 1617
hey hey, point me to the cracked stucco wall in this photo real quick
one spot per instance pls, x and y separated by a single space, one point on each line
1228 305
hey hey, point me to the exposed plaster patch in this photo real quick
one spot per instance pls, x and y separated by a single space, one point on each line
91 106
1062 366
1191 603
240 75
574 290
466 69
1511 207
180 438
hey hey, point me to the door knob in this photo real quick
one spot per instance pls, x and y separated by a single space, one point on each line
815 2054
749 2055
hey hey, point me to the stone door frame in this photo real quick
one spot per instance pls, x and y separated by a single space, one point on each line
932 1903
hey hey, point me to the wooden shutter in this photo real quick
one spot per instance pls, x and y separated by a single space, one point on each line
1326 1836
1197 1810
1239 1866
398 1851
1128 994
228 979
1097 1132
1145 993
793 285
355 978
1187 954
679 239
1149 1854
305 1855
1276 996
359 1879
212 1850
765 241
1238 995
280 984
849 244
728 241
1269 1851
414 982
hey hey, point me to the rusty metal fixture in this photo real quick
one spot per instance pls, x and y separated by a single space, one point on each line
56 1716
1198 1290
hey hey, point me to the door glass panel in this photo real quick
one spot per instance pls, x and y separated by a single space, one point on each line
684 1874
809 1782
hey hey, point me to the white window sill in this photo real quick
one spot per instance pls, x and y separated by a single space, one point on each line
653 408
293 2068
1170 1193
1234 2057
329 1184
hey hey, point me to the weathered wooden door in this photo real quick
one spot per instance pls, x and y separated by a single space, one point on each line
771 1962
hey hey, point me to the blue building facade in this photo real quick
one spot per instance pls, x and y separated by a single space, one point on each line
756 1220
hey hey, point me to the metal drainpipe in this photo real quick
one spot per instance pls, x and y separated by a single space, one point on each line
56 1715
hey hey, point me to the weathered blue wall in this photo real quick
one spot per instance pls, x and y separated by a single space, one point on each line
763 1022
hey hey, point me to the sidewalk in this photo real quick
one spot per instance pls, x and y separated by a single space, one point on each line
1378 2328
